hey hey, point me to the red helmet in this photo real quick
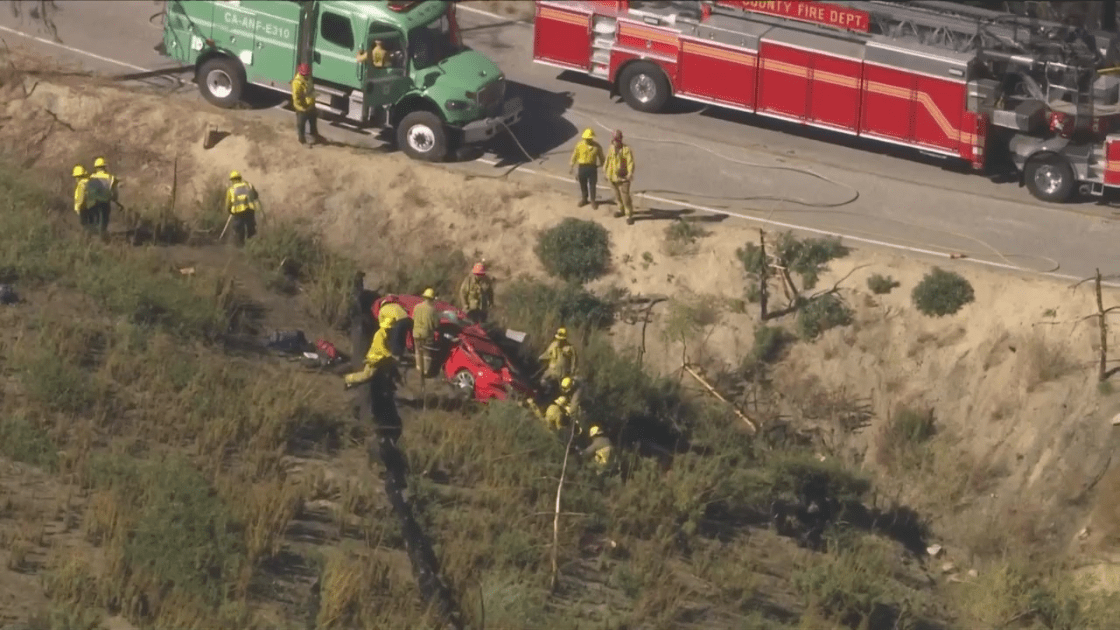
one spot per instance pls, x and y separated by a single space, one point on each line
479 269
304 69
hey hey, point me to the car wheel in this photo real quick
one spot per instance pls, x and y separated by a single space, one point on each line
221 81
1050 179
644 87
422 137
463 384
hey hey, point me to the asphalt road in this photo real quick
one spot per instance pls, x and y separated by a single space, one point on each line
699 159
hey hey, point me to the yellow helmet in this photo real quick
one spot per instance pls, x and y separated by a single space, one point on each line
566 384
588 134
595 431
100 163
561 333
234 175
561 401
79 171
429 293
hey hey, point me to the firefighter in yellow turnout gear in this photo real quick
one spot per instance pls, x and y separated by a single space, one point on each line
557 416
423 332
620 172
587 157
600 450
303 101
476 294
378 358
106 186
561 359
242 203
84 198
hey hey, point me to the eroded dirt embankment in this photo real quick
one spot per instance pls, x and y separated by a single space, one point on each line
1022 423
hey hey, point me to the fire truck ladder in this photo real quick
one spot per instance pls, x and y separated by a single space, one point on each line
953 27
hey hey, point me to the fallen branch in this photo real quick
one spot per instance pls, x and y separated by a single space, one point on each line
556 518
711 390
836 287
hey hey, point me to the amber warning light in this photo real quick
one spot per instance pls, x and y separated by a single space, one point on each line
806 11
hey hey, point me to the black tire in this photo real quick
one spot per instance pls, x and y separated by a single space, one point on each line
1050 178
421 135
221 81
644 87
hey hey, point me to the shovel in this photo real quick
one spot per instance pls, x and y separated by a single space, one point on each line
222 235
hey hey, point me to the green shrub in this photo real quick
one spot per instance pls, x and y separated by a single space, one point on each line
329 291
681 237
24 441
942 293
769 341
442 269
906 432
822 313
792 475
854 583
619 392
575 250
539 308
182 536
912 426
146 294
59 384
288 246
807 258
881 285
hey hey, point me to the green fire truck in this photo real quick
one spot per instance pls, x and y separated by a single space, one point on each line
428 87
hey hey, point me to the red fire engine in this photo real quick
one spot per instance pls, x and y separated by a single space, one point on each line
987 87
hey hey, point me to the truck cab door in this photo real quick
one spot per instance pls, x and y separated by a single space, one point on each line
333 59
385 85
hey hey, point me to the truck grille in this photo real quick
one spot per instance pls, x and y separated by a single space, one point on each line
490 97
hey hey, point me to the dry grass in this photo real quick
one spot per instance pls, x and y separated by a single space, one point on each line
1043 361
185 448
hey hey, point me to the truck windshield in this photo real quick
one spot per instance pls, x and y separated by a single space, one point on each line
432 43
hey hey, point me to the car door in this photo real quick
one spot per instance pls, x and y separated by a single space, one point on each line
386 85
336 48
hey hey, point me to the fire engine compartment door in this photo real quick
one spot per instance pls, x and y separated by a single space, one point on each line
927 84
561 36
1112 160
813 77
336 48
386 85
186 27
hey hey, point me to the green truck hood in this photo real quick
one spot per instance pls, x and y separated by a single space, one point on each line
468 71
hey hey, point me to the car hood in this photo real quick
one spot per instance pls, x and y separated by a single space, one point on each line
466 71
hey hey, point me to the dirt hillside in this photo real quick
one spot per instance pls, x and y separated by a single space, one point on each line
1023 426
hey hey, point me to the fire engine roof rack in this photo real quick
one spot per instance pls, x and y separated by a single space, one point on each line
960 31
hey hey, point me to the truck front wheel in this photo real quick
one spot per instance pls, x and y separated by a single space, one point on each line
421 136
644 87
1050 178
221 81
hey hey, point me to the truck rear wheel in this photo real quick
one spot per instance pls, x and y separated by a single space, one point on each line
422 137
221 81
1050 178
644 87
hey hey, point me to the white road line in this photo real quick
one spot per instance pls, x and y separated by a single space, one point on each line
73 50
788 226
802 228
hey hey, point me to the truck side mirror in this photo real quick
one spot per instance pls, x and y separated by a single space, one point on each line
317 57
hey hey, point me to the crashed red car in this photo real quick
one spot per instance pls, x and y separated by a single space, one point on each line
472 362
